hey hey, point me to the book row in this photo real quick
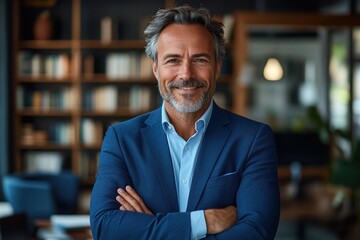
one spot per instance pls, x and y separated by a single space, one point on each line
55 132
44 99
128 65
55 162
53 66
109 98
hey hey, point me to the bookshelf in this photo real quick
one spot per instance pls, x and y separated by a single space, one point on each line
66 91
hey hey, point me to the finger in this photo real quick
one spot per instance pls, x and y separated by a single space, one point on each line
125 205
131 203
136 196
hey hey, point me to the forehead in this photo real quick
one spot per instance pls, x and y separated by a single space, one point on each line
178 37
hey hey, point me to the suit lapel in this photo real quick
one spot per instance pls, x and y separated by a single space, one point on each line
156 139
214 140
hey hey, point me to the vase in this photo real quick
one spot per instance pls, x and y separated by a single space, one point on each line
43 26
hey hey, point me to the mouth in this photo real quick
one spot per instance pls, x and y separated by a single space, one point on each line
189 91
187 85
187 88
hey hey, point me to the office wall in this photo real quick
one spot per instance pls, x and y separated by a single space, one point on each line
4 98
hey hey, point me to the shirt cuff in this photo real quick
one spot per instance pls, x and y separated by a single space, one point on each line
198 225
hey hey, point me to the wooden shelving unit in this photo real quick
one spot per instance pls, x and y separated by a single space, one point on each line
78 151
244 22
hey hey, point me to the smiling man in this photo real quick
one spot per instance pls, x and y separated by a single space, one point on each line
188 170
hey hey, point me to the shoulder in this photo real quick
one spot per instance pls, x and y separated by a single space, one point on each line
135 124
237 123
231 118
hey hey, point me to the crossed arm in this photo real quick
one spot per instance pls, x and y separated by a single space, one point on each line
217 220
257 198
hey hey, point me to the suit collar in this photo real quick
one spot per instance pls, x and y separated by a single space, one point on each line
156 139
214 140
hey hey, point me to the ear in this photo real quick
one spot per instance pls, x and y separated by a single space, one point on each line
155 70
218 69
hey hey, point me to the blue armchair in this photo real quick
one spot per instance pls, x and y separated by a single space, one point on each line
40 195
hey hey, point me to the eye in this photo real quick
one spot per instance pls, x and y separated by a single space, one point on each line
201 60
172 61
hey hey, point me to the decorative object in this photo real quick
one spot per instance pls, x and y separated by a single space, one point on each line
43 26
273 70
345 168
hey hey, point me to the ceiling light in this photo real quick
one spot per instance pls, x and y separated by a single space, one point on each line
273 70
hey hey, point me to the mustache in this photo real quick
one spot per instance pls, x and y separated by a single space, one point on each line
187 83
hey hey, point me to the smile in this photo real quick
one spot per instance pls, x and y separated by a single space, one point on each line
187 88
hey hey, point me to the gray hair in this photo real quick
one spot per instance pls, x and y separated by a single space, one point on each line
183 15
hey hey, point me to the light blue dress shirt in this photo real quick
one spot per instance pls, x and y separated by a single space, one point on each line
184 155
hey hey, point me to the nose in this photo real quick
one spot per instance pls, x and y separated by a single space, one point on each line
185 70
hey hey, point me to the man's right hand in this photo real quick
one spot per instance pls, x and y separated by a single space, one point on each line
218 220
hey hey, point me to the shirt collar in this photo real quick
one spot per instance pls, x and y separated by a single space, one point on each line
204 119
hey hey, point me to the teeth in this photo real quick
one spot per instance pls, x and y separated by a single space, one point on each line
187 88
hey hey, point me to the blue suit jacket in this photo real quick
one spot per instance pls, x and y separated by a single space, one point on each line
237 165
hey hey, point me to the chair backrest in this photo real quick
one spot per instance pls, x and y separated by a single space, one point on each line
64 187
41 195
33 198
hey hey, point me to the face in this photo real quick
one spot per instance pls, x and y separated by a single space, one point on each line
186 68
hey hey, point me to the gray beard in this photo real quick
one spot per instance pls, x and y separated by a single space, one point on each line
188 107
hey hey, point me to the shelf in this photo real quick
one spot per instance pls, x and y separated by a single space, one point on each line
45 44
116 44
112 114
44 113
43 79
102 78
45 146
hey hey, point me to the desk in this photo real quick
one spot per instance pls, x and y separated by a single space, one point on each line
325 204
307 172
64 227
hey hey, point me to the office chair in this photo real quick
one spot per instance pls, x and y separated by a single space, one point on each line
40 195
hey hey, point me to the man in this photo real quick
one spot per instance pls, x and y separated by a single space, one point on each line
188 170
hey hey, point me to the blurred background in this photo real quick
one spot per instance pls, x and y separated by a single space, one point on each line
71 68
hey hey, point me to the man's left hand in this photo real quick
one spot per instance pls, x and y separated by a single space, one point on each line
131 201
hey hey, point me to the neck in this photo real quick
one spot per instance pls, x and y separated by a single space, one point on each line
184 123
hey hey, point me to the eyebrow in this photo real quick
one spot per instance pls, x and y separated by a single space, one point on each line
171 56
193 56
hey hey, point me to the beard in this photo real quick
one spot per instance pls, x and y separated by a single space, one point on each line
188 104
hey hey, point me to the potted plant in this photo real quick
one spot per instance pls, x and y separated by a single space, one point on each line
345 152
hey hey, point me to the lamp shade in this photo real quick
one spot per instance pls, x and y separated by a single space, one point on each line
273 70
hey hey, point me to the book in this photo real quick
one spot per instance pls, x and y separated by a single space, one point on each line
89 63
146 72
91 132
44 161
36 65
68 222
107 30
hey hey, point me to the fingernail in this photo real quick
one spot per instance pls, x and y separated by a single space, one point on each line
128 187
120 190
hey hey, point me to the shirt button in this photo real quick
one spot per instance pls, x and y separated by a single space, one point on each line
184 181
186 148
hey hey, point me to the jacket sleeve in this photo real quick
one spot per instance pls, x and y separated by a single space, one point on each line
108 222
258 198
